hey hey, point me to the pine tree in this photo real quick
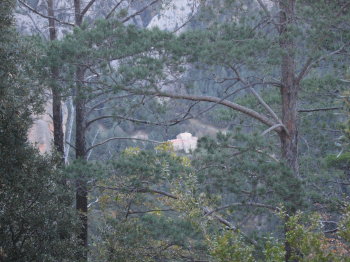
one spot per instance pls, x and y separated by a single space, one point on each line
270 51
32 214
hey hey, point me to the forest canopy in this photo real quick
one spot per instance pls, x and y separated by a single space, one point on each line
163 130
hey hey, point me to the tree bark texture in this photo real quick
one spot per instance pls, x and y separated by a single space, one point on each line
80 144
290 87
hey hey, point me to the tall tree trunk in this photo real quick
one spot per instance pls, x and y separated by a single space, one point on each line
57 111
77 13
69 127
80 143
290 88
289 96
56 94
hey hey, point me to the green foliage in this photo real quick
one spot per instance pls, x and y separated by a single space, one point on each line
344 225
274 250
127 233
83 169
36 222
230 247
136 221
307 244
152 205
148 238
138 52
245 164
341 161
307 241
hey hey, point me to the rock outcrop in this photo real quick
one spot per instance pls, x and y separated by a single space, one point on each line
175 15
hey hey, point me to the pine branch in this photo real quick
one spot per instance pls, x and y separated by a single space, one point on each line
250 112
310 63
207 211
124 118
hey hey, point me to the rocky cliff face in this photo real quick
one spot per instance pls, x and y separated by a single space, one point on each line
174 16
41 132
28 22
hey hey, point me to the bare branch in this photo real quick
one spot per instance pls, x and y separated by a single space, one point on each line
155 191
304 70
113 9
260 99
149 211
271 128
122 138
141 190
94 202
97 119
87 7
250 112
253 204
187 116
105 101
227 223
42 15
267 107
71 145
267 12
331 231
263 6
93 141
309 64
139 12
168 123
342 9
191 17
124 118
319 109
36 26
